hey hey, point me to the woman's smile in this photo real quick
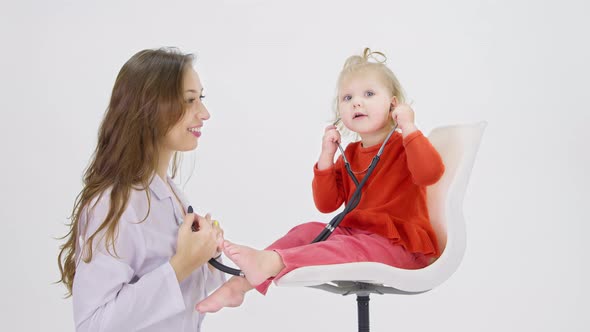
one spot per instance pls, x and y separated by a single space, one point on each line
196 131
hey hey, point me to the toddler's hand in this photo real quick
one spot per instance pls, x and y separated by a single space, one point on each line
329 146
330 140
403 115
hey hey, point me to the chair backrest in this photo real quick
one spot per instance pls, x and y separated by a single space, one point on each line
457 145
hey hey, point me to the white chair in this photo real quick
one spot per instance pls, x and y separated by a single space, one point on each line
458 147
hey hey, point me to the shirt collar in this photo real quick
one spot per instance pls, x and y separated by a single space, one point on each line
161 191
159 188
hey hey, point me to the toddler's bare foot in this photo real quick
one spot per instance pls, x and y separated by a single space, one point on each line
230 294
257 265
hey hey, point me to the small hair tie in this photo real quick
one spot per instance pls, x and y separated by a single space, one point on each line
368 54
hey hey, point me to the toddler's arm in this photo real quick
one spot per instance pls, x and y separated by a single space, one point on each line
424 161
328 193
327 181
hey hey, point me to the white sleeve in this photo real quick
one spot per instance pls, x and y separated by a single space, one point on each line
107 294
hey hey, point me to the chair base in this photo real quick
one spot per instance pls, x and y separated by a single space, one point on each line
363 291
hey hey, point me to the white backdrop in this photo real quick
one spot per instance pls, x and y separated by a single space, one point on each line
269 70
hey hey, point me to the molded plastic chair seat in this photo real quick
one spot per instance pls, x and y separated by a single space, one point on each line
458 147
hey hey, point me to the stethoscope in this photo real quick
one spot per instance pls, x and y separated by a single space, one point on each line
352 203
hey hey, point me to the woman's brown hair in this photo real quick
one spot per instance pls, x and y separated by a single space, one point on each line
146 101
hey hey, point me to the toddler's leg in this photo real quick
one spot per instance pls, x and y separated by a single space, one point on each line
338 249
258 265
299 235
261 265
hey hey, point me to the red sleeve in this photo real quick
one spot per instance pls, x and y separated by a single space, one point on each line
328 193
424 162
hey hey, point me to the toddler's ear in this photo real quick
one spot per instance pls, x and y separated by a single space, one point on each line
394 103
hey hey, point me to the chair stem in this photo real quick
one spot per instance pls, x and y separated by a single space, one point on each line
363 312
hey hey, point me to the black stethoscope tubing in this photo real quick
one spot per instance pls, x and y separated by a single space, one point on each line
331 226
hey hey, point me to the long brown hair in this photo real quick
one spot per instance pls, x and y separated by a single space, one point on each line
146 101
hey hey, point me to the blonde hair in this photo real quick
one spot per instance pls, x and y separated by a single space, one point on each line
368 61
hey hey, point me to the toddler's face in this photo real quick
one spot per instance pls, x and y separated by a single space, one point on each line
184 135
364 103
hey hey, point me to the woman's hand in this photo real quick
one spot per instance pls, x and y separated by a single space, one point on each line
219 238
329 145
403 115
194 249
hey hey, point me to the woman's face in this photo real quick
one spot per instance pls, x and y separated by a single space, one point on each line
184 135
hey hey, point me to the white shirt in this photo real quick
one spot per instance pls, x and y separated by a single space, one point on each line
138 291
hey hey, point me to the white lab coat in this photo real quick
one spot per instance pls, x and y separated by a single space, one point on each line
138 291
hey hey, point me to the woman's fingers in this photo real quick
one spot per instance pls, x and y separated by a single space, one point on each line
187 222
204 222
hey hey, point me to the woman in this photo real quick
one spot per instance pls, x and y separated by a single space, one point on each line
134 259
